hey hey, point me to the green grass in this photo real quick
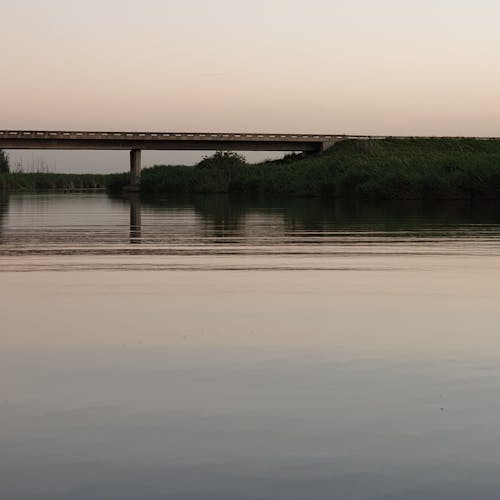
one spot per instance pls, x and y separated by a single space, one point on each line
51 181
378 169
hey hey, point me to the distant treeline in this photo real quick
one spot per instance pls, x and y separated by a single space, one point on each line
50 181
40 179
375 169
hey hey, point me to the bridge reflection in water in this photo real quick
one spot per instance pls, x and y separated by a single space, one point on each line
135 218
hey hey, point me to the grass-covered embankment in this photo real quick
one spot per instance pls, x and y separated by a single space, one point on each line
51 181
378 169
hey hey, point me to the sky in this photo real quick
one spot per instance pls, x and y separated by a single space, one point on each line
314 66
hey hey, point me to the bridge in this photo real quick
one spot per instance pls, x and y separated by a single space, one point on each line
135 142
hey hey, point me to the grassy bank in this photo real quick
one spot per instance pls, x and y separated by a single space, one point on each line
385 169
50 181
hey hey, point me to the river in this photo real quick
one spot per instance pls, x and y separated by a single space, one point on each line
213 348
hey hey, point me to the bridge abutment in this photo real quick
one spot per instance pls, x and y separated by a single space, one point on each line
328 145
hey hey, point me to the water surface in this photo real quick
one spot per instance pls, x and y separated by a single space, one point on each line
229 349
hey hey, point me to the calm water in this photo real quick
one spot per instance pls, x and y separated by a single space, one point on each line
220 349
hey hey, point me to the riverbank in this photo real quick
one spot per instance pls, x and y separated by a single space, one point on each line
36 181
379 169
390 169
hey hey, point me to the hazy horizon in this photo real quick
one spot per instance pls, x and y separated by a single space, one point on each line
387 67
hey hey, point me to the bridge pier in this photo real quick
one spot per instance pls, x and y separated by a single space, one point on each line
135 170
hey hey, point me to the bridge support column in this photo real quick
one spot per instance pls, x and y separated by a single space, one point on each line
135 169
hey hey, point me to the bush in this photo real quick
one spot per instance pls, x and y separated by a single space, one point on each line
4 162
222 159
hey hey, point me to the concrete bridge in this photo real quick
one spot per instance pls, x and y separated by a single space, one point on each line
138 141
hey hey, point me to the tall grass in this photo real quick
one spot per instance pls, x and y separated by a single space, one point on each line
379 169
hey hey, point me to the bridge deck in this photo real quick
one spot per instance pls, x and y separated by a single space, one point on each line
19 139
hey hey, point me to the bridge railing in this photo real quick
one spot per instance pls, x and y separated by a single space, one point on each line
168 136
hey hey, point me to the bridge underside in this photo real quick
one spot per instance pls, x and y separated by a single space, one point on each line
171 145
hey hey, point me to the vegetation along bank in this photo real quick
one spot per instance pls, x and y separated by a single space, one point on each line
376 169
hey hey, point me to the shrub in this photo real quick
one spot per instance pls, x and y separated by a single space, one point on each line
222 159
4 162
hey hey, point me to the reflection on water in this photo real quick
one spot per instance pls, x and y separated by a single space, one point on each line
135 218
216 232
4 206
320 350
